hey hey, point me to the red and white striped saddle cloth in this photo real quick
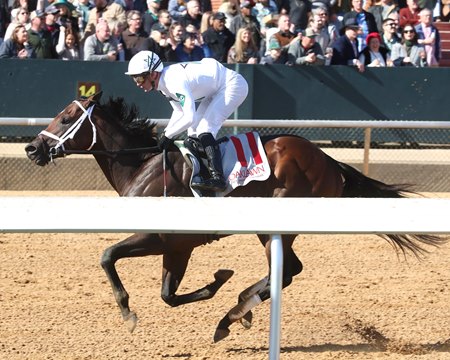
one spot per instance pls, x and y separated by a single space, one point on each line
243 158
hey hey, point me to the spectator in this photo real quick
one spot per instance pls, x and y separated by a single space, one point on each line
100 46
382 10
282 33
261 10
373 54
206 23
305 50
187 50
389 35
83 7
150 17
230 9
326 34
66 14
409 14
218 38
133 37
22 17
193 15
164 21
409 52
177 9
51 24
345 48
116 28
277 55
364 19
152 43
247 20
299 14
17 45
244 50
428 36
68 46
39 38
107 11
176 32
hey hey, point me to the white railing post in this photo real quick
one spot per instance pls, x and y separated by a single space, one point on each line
276 280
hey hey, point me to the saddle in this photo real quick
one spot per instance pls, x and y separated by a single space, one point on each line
243 158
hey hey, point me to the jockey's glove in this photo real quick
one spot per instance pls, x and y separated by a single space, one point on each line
164 142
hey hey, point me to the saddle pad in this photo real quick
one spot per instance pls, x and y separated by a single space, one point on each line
243 158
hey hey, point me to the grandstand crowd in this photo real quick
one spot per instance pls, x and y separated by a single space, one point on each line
359 33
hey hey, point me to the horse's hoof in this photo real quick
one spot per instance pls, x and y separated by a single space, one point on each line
223 275
246 320
131 321
221 334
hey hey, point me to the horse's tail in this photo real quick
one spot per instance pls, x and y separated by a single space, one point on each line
357 184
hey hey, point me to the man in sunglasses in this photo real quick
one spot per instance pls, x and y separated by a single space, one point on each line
218 90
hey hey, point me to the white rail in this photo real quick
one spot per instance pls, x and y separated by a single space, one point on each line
281 123
229 216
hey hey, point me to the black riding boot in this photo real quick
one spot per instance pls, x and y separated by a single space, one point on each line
216 182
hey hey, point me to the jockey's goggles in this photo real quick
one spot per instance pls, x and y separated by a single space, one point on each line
140 78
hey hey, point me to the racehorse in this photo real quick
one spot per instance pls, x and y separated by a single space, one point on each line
126 150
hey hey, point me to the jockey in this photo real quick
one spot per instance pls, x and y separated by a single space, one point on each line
218 90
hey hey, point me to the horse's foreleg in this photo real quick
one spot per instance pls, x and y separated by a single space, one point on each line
134 246
174 268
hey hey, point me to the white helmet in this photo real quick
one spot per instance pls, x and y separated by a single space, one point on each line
144 61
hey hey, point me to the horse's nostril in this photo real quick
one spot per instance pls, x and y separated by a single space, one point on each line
30 149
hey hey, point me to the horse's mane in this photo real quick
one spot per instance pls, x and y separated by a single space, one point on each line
128 118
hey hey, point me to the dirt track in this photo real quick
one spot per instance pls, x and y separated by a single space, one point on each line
354 300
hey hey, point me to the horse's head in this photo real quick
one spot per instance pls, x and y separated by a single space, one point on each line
72 129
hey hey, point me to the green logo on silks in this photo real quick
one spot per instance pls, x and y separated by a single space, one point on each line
181 98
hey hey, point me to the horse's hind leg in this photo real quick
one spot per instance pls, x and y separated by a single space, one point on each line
260 291
134 246
174 268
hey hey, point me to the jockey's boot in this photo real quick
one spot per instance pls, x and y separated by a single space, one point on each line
216 182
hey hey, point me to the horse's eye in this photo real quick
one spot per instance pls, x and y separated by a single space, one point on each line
65 120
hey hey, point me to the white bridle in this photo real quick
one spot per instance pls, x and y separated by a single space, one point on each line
70 133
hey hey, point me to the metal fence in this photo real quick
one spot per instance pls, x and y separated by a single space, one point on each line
420 159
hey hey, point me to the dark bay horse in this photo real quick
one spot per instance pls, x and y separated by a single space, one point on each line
299 169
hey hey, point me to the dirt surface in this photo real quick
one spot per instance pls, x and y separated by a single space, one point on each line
354 300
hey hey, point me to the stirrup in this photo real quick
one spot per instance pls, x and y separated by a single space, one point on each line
211 184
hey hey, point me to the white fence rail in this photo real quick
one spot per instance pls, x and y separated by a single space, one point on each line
229 216
280 123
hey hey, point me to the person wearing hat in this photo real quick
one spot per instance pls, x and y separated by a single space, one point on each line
51 23
245 19
218 38
218 91
373 54
305 50
345 48
364 19
276 55
39 38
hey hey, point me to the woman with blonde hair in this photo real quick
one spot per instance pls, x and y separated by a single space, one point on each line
244 50
21 17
